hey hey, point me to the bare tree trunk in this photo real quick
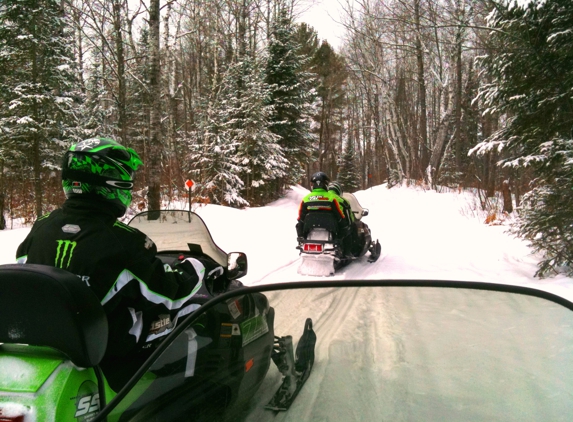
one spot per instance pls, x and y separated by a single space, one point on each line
154 155
507 203
489 126
422 163
37 165
121 90
458 88
441 141
2 205
36 158
79 46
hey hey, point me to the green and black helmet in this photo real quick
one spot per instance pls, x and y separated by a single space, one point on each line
100 168
336 188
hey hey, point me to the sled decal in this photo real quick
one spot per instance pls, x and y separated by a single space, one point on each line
254 328
87 402
234 308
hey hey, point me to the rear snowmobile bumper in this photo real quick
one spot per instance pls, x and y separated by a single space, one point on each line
317 265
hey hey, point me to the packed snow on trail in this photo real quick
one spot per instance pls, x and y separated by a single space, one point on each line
423 235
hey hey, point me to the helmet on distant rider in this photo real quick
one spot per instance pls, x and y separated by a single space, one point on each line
319 180
335 187
102 169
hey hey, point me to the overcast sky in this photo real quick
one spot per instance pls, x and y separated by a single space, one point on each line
323 16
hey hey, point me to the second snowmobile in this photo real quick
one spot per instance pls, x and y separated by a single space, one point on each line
321 249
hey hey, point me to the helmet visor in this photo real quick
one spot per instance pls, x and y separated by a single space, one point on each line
127 158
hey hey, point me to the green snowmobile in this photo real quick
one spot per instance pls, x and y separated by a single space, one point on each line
53 335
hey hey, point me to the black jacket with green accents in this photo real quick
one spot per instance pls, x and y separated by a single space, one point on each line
119 263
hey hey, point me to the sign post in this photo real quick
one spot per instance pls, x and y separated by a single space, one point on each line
189 183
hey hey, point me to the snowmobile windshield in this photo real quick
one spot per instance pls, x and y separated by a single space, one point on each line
382 350
176 230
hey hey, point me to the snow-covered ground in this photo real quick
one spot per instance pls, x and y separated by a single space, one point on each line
424 235
408 354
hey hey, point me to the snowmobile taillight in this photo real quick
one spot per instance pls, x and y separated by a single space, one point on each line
19 418
313 247
11 412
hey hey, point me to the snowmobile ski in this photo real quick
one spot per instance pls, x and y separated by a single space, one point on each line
295 370
375 251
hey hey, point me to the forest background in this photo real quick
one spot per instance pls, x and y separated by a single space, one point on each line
240 98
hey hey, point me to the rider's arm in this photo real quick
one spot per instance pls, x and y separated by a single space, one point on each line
337 208
154 294
301 211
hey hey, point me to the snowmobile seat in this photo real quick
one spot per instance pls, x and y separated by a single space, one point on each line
46 306
353 202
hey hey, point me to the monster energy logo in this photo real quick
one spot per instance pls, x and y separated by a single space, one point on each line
65 250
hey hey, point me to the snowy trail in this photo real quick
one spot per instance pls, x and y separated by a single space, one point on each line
377 354
423 234
340 347
365 337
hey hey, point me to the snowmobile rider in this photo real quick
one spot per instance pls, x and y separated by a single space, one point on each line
318 204
142 297
337 189
351 241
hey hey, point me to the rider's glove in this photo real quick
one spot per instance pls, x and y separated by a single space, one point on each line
216 282
188 273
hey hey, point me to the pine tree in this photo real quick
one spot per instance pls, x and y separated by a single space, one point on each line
38 86
348 175
216 165
258 149
331 79
532 81
291 96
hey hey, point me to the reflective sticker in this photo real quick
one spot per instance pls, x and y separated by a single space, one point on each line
234 308
71 228
249 364
254 328
77 187
226 330
319 208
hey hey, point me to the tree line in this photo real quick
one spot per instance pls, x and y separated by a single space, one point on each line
474 94
237 96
